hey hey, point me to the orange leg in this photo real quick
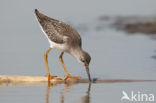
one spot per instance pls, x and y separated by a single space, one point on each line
46 61
65 69
46 64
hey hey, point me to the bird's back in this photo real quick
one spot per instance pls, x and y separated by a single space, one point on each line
57 31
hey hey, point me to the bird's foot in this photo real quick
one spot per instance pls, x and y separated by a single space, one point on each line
51 77
72 77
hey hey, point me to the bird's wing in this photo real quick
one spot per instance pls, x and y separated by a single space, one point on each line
57 31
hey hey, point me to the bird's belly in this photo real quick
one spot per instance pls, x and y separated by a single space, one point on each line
61 47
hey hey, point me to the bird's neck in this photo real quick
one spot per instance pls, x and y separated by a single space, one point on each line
76 52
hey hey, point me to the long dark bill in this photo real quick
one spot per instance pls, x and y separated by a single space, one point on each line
88 73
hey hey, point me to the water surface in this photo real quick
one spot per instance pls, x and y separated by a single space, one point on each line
115 54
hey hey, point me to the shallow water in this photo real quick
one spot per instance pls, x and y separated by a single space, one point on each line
115 54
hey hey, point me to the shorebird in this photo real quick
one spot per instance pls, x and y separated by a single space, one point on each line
65 38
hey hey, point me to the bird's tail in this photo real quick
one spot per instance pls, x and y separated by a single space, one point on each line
39 15
42 17
36 13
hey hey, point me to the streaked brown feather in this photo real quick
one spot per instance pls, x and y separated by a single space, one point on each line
57 31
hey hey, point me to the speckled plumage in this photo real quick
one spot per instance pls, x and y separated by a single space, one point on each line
57 31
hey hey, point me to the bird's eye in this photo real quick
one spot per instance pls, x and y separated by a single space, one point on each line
82 60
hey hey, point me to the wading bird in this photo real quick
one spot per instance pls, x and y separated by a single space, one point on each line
65 38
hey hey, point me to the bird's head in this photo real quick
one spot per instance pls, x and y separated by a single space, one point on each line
85 60
83 57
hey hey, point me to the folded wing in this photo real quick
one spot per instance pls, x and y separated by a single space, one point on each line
57 31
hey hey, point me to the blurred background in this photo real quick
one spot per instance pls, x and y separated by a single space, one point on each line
119 35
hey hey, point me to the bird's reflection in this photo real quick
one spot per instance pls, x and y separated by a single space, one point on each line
83 99
47 94
86 98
